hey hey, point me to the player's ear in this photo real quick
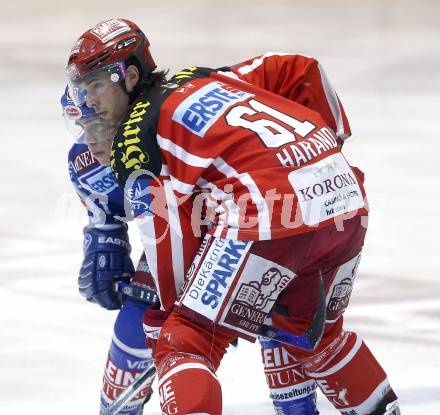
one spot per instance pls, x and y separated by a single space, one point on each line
132 78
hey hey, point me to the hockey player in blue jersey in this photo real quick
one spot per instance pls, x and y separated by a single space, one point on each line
107 261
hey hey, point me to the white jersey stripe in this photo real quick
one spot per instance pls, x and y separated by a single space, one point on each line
147 231
333 103
218 231
181 187
182 367
182 154
164 171
340 364
264 224
229 213
232 233
141 353
330 93
176 236
232 75
258 62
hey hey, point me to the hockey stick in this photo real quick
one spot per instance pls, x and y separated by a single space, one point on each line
310 339
142 380
144 294
307 340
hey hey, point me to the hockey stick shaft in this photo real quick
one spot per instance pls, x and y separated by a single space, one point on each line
143 294
307 340
143 379
310 339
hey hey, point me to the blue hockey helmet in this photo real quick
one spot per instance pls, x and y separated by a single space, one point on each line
75 116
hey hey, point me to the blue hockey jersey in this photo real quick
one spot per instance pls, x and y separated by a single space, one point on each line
96 186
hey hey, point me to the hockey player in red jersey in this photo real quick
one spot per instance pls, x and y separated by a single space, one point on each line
280 200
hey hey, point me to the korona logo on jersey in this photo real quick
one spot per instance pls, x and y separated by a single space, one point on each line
326 189
202 109
209 286
254 297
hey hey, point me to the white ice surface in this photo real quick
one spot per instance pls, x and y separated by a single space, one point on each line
383 58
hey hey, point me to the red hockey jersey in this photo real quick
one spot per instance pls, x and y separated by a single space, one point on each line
257 144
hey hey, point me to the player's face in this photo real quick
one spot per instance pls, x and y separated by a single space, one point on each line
107 98
98 138
110 102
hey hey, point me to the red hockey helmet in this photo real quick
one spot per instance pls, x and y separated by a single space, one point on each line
109 42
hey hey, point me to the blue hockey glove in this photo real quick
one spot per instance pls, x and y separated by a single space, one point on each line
106 260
